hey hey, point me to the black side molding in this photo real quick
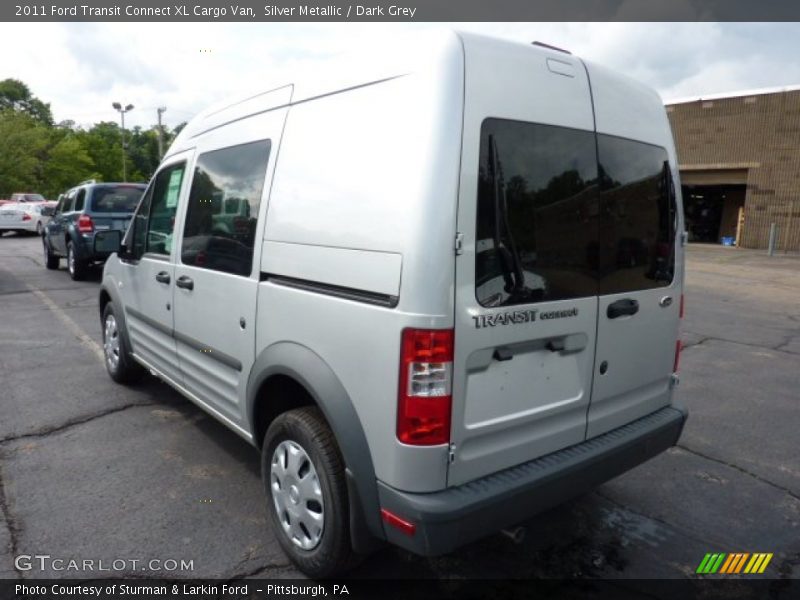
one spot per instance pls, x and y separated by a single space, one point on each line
337 291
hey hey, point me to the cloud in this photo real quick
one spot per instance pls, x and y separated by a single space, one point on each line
81 68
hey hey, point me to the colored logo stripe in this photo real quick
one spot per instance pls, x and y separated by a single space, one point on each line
734 563
758 563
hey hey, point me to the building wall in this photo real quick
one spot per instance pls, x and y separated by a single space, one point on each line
759 133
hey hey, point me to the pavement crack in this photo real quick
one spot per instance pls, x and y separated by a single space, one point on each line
703 340
46 431
10 521
258 571
756 476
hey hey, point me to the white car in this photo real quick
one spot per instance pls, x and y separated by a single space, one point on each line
22 217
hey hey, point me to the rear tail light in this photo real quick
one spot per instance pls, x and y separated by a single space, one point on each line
678 343
26 217
425 398
85 224
678 348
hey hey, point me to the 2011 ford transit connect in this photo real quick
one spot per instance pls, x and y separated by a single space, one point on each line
444 299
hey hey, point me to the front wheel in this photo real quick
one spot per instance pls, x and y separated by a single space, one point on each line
303 473
119 363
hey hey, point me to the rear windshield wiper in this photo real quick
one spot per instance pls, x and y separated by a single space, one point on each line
503 240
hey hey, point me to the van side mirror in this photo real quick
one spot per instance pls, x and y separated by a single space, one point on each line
48 211
107 242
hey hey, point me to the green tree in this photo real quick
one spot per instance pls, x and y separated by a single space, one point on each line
68 162
17 96
22 152
103 144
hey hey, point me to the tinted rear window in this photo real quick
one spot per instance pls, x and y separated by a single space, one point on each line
120 199
546 176
637 228
555 223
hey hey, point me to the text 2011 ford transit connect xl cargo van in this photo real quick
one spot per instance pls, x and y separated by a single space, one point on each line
441 301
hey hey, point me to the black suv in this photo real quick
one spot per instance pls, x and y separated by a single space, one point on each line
80 212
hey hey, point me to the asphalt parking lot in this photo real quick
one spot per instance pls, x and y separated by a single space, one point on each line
93 470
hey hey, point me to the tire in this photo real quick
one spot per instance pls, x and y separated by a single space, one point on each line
76 267
120 365
39 228
51 261
299 448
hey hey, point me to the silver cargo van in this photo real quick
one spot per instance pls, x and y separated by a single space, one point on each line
440 300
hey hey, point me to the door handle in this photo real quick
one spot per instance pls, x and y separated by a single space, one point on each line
621 308
162 277
185 282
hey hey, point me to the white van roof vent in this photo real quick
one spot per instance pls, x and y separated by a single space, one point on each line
549 47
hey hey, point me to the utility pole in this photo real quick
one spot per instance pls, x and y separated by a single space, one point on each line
118 107
161 110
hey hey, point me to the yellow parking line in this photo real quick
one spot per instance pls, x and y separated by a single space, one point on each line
76 330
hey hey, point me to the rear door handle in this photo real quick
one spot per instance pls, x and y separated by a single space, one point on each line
162 277
185 282
621 308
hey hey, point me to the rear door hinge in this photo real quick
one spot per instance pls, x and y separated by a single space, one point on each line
684 238
459 243
451 453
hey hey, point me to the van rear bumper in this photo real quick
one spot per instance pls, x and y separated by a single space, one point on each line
448 519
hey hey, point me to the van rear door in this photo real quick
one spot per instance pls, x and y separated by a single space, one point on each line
639 263
526 293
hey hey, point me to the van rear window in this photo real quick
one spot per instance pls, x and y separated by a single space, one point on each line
121 199
554 222
537 213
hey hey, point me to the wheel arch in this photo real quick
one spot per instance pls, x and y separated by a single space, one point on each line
287 367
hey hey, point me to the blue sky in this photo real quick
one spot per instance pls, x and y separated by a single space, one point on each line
81 68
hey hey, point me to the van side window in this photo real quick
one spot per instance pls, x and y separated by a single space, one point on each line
221 215
155 220
537 213
637 224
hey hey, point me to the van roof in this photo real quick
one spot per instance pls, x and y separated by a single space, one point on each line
398 57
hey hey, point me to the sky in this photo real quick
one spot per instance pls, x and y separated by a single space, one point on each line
81 68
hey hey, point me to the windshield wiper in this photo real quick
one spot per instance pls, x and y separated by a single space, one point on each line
503 240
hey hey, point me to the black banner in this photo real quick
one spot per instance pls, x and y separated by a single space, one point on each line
711 588
399 10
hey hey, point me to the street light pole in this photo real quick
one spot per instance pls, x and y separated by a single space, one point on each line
118 107
161 110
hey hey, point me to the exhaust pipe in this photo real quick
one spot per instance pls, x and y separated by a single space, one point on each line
515 534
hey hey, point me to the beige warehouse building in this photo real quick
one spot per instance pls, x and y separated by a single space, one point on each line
739 158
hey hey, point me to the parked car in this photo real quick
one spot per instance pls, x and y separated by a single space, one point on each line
420 320
23 197
79 214
22 217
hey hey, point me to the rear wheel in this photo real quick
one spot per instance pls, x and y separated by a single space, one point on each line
119 363
51 261
77 268
39 228
303 473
